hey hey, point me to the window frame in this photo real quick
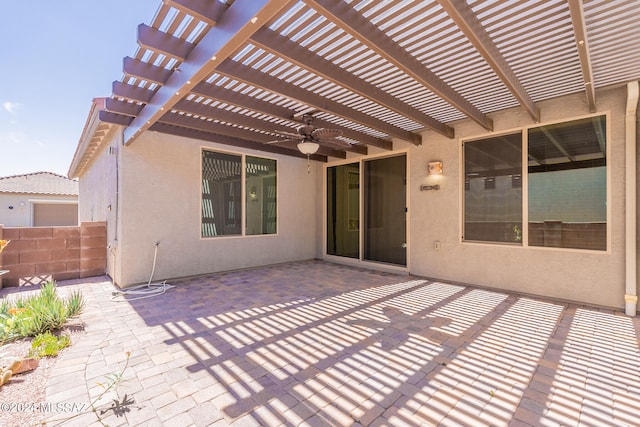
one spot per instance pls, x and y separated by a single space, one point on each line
243 194
524 182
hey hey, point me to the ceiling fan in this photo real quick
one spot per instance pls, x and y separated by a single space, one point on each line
309 137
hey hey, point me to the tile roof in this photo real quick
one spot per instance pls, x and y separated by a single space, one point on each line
39 183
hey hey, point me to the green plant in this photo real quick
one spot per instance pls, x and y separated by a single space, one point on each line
48 345
75 304
119 406
37 314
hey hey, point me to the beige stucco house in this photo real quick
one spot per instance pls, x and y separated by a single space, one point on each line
481 143
40 199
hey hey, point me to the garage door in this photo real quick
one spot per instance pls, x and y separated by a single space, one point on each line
55 214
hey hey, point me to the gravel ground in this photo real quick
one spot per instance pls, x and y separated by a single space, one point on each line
23 389
21 397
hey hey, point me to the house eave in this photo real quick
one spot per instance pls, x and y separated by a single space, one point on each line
90 140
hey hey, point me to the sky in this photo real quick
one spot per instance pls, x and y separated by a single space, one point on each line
55 57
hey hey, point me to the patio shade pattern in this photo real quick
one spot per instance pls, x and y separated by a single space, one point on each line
237 73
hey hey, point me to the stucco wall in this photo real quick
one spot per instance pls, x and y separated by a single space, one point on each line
22 213
160 181
588 276
98 192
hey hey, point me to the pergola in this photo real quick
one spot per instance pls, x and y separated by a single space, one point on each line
239 73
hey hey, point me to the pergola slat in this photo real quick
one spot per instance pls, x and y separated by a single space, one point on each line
359 27
185 121
204 10
375 70
270 40
466 20
275 85
240 21
273 110
242 120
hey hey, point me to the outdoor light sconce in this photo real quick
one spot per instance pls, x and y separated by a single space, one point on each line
434 168
253 194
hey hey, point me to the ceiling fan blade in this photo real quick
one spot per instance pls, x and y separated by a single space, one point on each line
335 143
282 141
294 135
326 133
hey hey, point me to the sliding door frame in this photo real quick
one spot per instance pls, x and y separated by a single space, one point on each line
360 261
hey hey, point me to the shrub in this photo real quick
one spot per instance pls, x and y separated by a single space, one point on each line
37 314
48 345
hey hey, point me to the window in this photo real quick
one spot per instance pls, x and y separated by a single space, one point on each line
566 186
222 190
261 196
492 204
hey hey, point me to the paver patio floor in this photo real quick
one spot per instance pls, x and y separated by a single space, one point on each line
313 343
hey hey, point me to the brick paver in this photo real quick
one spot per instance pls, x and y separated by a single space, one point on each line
313 343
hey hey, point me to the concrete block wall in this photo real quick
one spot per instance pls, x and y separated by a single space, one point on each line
38 254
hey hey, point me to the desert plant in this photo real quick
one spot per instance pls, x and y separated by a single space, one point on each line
37 314
48 345
75 304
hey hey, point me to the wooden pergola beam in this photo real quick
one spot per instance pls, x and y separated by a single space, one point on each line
134 93
293 52
250 103
161 42
464 17
236 25
145 71
230 140
367 33
114 118
242 120
122 107
281 87
582 44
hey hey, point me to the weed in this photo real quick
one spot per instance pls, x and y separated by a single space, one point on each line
118 406
48 345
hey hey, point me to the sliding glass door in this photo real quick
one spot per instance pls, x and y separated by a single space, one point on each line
385 216
343 210
382 196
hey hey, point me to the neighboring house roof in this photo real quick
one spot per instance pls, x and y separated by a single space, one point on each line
39 183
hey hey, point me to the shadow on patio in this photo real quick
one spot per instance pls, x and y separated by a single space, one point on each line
315 343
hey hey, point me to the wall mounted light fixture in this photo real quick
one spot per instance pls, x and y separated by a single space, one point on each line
434 168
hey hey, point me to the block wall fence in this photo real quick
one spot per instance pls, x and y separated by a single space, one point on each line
37 254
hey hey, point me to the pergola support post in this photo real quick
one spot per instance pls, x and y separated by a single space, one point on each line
631 260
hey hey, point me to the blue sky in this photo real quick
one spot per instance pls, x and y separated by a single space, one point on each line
56 57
